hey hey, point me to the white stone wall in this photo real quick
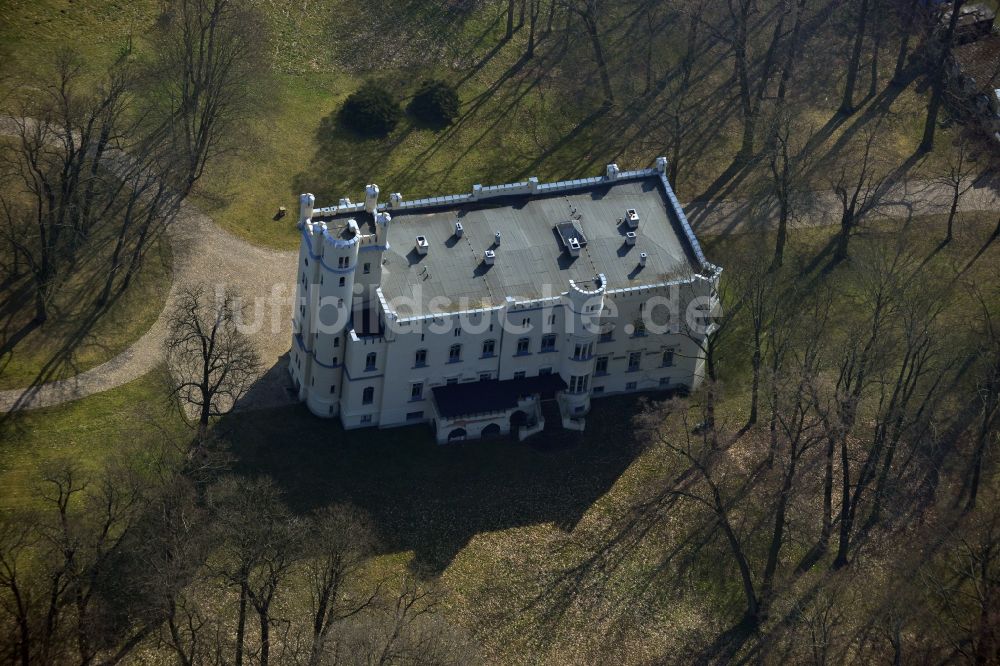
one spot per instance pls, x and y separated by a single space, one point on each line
327 353
395 372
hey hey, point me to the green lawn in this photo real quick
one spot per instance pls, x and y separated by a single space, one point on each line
132 422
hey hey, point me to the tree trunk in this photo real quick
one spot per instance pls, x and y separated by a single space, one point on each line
777 535
937 87
650 35
827 527
845 508
23 628
977 461
265 636
752 616
844 238
746 102
205 411
755 386
904 43
241 624
956 194
989 616
772 50
847 103
876 48
41 305
532 22
773 421
793 47
602 66
782 237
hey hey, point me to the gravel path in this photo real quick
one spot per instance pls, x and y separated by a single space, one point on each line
205 254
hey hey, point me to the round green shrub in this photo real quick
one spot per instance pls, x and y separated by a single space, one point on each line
435 103
370 111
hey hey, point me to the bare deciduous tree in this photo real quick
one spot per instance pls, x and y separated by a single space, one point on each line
340 540
212 362
17 596
937 76
533 10
987 390
854 64
210 70
858 185
259 541
958 180
406 627
907 23
589 12
64 137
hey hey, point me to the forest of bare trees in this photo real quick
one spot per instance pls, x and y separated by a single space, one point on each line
829 495
107 568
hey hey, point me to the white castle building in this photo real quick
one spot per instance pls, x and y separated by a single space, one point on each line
501 310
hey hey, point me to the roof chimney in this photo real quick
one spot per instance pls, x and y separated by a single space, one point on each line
632 217
422 245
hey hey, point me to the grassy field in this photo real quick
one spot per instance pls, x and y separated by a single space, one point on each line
132 422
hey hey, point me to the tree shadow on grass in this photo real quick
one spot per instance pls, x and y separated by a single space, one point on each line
342 157
72 321
427 498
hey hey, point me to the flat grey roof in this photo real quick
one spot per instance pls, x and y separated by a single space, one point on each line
531 253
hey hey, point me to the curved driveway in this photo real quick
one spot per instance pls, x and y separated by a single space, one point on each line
202 254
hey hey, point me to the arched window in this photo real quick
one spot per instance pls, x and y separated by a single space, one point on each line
420 358
455 354
368 397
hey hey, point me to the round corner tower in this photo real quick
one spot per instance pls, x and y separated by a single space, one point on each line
328 258
584 303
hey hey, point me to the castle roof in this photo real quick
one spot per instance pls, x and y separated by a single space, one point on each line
537 224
